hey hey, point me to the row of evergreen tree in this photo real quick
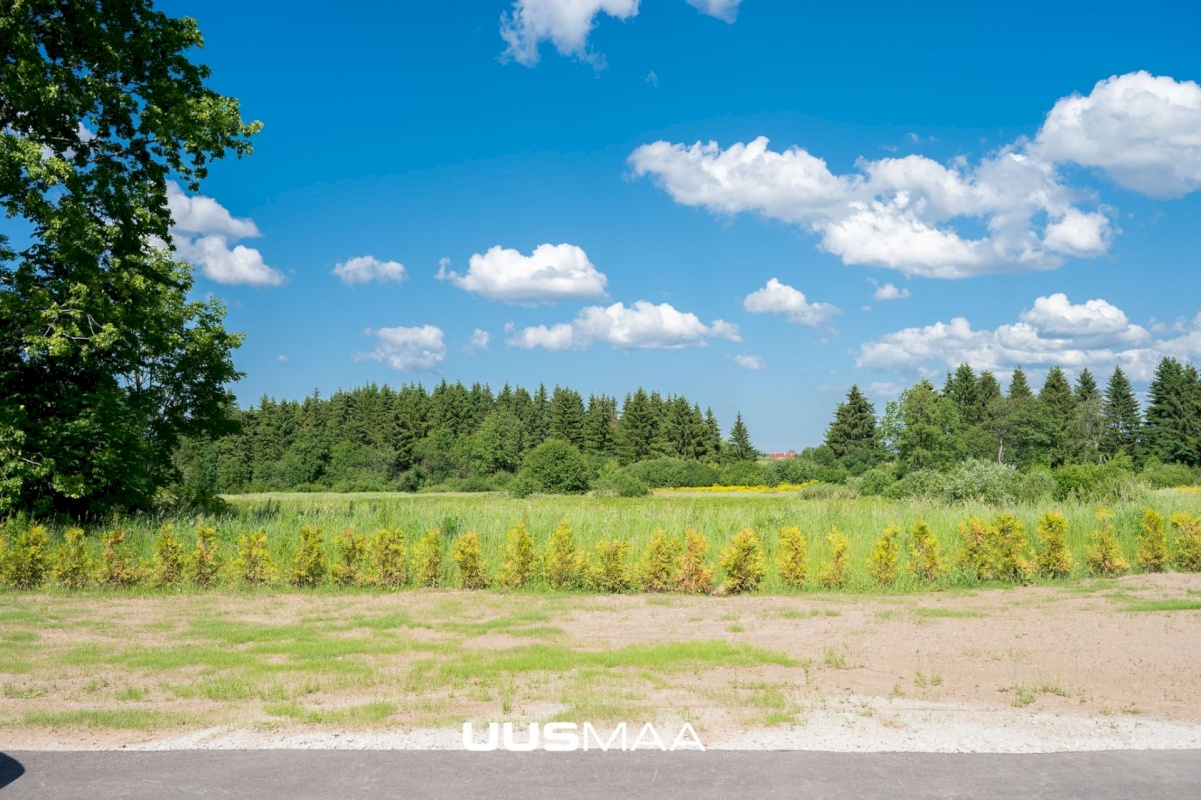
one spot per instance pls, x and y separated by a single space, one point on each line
376 437
971 417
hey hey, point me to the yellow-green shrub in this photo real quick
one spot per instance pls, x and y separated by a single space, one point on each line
253 565
389 559
742 562
72 562
518 555
792 558
882 561
562 563
205 562
308 562
694 577
1188 542
117 566
974 550
168 558
607 569
348 569
1153 543
470 560
660 562
427 560
925 560
23 559
1104 556
834 572
1011 550
1055 558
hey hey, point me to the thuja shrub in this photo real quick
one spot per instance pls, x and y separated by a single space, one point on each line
835 570
72 561
694 577
1104 555
607 569
470 561
792 558
308 562
1188 540
562 563
24 558
168 568
427 559
1153 543
518 555
974 556
1054 557
254 566
742 562
347 570
1010 550
118 568
388 559
882 560
204 565
660 562
925 560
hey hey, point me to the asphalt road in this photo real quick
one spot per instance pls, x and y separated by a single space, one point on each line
350 775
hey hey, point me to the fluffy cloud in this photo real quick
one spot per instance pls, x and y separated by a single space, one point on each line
641 326
722 9
551 272
753 363
564 23
407 349
779 298
202 230
478 340
912 213
890 292
1140 129
1054 331
366 269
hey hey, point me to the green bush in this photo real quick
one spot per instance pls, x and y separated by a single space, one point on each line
308 562
975 556
24 557
388 559
1104 555
168 567
1094 483
743 473
470 561
694 576
1168 476
1055 558
877 480
660 563
427 560
742 562
834 572
347 570
204 565
562 562
118 569
1188 540
556 467
925 560
607 569
882 561
792 557
254 566
1153 553
72 562
518 554
1011 550
662 473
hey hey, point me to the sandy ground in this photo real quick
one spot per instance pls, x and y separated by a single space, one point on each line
1028 669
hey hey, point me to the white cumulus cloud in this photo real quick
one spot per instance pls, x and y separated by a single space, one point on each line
722 9
641 326
365 269
753 363
1054 331
890 292
780 298
407 349
203 231
478 340
1143 130
551 272
564 23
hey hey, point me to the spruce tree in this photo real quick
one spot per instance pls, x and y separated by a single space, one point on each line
964 390
567 417
1173 415
853 436
635 429
1121 423
1060 405
740 448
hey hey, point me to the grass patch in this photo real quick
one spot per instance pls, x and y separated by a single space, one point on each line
1164 605
364 714
926 611
111 718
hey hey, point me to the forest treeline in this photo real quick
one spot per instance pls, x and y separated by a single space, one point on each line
376 438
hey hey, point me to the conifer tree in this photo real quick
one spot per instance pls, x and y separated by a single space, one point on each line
853 436
1120 419
740 447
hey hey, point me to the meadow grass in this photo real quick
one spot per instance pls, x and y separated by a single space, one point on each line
1164 605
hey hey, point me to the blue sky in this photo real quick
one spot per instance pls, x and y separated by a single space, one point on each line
1028 182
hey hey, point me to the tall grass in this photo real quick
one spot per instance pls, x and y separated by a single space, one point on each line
634 520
